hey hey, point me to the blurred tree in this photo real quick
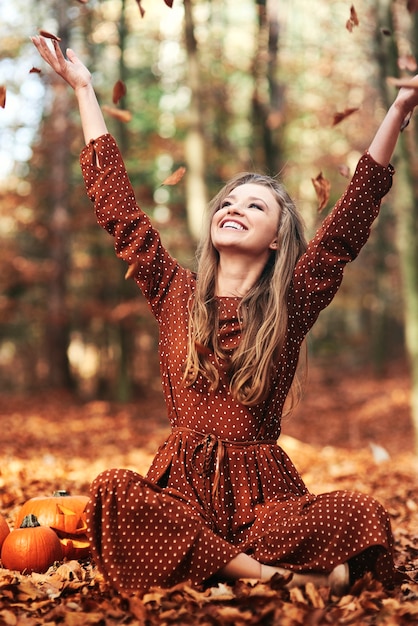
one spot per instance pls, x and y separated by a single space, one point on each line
267 99
204 86
195 142
396 50
57 199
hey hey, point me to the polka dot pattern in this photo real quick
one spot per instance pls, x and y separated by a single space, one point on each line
220 484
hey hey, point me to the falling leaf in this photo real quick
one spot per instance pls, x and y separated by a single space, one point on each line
119 114
34 70
169 3
119 90
141 10
132 270
401 82
48 35
406 121
386 32
344 170
322 187
175 177
412 6
2 96
407 62
353 19
339 117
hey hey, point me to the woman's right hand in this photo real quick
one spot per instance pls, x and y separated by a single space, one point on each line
71 69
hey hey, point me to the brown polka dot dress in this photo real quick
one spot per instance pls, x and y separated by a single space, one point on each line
220 484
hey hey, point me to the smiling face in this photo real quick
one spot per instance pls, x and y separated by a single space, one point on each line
247 221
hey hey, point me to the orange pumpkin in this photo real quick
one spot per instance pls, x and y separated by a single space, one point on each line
76 547
4 530
65 514
31 548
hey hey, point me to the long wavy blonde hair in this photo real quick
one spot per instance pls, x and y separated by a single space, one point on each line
262 311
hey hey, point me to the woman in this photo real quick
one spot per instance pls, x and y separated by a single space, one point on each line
221 499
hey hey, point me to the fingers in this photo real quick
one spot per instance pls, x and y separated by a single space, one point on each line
53 56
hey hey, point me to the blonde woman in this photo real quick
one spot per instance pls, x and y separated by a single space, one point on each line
221 499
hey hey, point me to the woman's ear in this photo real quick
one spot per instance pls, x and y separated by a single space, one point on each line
273 245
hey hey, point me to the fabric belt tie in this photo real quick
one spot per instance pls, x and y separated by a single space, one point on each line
209 445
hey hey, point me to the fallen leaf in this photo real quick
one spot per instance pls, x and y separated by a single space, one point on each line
322 187
119 90
353 20
119 114
48 35
386 32
2 96
34 70
339 117
175 177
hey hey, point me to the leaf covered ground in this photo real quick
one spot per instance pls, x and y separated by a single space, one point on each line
349 432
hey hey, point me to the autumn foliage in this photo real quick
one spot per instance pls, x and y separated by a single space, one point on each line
332 448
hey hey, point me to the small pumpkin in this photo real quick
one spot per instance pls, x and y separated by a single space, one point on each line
31 548
66 515
4 530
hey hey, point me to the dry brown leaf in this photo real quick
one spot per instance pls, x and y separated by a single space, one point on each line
339 117
352 20
48 35
8 618
322 188
119 114
119 90
412 6
314 596
141 9
175 177
344 170
34 70
132 270
2 96
169 3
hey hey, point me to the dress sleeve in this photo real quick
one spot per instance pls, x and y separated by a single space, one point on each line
136 240
319 272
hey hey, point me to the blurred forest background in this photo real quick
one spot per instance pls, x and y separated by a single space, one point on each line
217 86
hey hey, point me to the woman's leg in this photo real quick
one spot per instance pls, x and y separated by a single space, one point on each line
244 566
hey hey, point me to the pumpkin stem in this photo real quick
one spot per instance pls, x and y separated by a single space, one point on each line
30 521
60 492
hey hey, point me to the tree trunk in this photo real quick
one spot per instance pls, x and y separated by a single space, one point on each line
57 328
405 30
196 192
124 379
267 94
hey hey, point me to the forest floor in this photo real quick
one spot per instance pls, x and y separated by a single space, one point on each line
352 431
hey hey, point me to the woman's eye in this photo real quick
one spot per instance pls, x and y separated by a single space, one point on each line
256 206
225 204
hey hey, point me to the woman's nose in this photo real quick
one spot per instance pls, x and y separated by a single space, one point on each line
234 208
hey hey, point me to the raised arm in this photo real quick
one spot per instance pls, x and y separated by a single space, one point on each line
384 142
76 74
